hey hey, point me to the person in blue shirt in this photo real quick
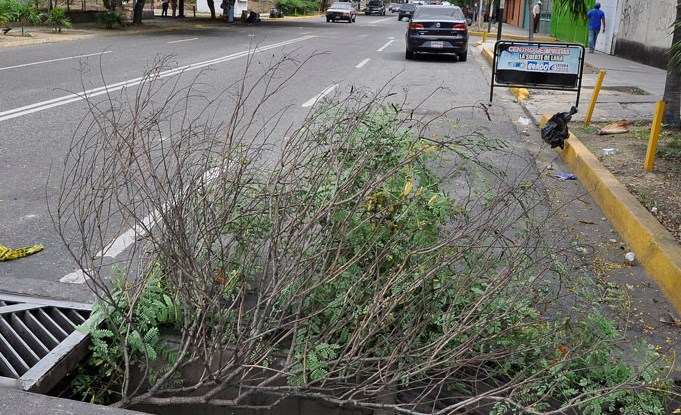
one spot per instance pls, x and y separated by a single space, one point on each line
596 18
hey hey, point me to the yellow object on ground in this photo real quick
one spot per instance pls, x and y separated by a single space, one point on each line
7 254
521 94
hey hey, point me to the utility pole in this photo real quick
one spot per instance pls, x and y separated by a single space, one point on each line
530 20
500 18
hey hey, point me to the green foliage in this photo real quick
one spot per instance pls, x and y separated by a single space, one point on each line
110 19
575 8
22 13
291 7
124 331
5 8
57 19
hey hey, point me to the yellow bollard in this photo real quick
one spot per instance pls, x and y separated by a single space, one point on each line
484 37
654 135
594 97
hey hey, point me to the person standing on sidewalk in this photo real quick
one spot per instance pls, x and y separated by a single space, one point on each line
536 14
596 16
173 5
164 10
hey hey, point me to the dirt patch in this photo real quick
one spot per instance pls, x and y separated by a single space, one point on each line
624 156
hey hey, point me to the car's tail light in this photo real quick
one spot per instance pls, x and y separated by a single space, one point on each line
460 26
415 26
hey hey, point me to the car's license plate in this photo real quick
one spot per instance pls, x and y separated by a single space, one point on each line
436 44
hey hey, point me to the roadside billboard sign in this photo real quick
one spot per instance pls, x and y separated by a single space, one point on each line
538 65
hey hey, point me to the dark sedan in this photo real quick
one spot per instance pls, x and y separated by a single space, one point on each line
406 10
438 29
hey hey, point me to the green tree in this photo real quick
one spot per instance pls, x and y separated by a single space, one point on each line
24 13
57 18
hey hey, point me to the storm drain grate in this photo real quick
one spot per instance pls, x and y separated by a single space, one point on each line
39 342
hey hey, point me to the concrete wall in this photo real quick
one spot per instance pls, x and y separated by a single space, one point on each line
644 33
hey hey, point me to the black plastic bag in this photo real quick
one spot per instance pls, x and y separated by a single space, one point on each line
555 132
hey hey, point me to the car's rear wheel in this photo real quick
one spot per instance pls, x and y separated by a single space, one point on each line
328 20
409 54
463 56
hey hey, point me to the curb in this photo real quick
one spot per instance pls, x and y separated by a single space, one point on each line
653 245
513 37
521 94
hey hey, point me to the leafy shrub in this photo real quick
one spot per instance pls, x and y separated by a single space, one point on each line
110 19
23 13
338 265
57 19
137 335
292 7
5 8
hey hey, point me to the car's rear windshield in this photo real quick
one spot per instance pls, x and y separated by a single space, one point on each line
376 3
408 6
340 6
439 11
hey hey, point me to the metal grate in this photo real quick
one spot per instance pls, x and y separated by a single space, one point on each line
39 342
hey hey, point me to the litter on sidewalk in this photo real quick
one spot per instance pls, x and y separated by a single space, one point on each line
7 254
618 127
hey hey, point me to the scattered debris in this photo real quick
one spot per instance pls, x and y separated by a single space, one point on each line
618 127
653 209
524 121
671 320
555 132
565 176
609 151
630 256
7 254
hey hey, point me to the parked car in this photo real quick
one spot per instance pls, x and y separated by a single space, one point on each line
438 29
376 7
406 10
341 11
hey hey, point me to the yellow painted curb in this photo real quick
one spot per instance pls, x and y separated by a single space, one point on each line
514 37
521 94
653 245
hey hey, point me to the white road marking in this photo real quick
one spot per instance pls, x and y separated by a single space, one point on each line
364 62
77 277
321 95
54 60
128 238
56 102
382 20
385 46
182 40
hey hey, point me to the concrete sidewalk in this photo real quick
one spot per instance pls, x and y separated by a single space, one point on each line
630 90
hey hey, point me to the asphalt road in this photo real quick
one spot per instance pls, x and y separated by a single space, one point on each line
39 113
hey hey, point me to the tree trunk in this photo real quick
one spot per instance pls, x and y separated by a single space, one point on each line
211 6
137 12
672 86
